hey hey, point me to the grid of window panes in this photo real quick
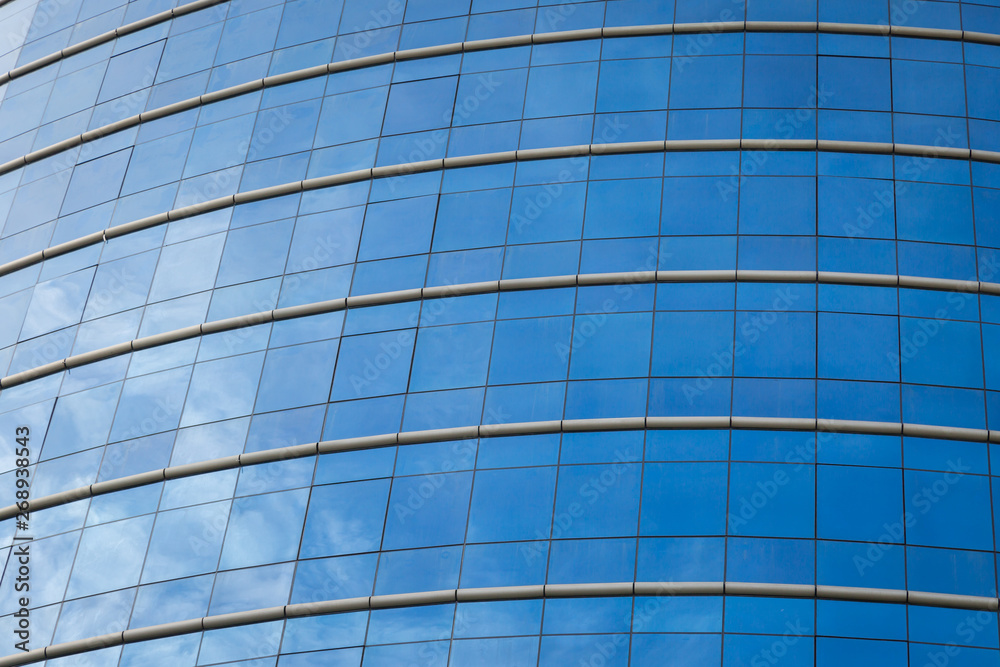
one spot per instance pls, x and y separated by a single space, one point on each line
752 506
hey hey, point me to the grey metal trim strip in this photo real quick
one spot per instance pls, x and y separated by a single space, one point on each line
493 158
471 432
492 287
538 592
461 47
105 37
548 37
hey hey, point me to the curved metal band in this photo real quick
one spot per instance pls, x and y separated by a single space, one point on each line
456 48
106 37
584 150
492 287
590 33
507 430
537 592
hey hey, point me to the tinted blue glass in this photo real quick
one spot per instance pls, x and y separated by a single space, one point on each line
692 344
856 83
418 506
622 208
418 570
776 344
936 499
751 559
548 502
705 82
254 252
778 205
763 87
669 495
861 347
497 514
697 206
633 85
471 220
420 105
235 378
531 350
552 212
345 518
958 342
939 76
771 500
490 97
599 355
608 560
930 212
597 501
452 356
351 116
859 504
359 374
271 522
561 90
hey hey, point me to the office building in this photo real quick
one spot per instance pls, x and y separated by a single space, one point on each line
497 332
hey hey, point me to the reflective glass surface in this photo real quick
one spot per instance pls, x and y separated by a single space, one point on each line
768 505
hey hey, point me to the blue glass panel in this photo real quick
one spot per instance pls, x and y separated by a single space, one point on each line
496 514
771 500
451 356
264 529
938 501
599 352
345 518
561 90
606 560
705 82
597 501
950 571
669 487
622 208
530 350
418 570
428 510
871 511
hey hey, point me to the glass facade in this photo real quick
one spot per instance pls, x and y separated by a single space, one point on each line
625 331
